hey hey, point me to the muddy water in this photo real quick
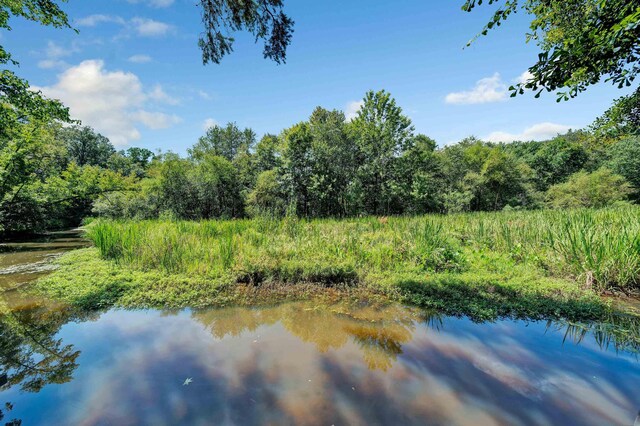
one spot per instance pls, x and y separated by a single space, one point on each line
303 364
24 261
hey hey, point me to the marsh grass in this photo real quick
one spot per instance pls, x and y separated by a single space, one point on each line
540 264
597 248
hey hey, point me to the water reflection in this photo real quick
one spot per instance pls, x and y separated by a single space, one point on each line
306 364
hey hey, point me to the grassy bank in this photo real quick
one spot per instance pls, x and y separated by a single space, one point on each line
527 264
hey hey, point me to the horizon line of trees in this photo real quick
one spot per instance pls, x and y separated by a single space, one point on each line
52 176
376 164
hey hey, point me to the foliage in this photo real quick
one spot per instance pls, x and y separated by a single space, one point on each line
581 42
381 134
18 103
598 189
625 161
264 19
481 264
85 147
623 118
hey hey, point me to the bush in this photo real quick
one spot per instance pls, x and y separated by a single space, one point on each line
598 189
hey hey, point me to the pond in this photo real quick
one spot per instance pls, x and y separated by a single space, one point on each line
307 364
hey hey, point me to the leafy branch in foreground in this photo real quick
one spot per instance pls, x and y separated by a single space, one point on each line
581 42
262 18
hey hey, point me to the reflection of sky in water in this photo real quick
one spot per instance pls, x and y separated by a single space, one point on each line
294 365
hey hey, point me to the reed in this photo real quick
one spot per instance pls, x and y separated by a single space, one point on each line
599 249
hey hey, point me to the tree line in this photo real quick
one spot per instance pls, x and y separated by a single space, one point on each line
52 176
376 164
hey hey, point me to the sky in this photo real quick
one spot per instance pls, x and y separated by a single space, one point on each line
134 72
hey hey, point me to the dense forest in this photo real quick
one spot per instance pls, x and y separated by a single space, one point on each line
54 175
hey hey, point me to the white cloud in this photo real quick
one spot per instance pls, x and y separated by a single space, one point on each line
351 111
144 27
93 20
156 120
113 102
54 53
489 89
537 132
204 95
149 28
524 77
48 64
158 94
154 3
140 59
208 123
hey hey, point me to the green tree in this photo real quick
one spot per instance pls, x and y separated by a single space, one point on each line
268 154
264 19
297 167
225 141
85 146
581 42
598 189
381 134
17 102
622 119
269 196
218 189
556 160
625 161
421 174
332 159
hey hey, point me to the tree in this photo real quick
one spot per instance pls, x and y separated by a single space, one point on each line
421 174
332 160
217 188
264 19
85 146
268 153
598 189
268 196
622 119
17 102
297 166
556 160
381 134
625 161
225 141
581 42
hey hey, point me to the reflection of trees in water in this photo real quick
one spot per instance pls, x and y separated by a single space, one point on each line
5 410
379 332
30 355
620 332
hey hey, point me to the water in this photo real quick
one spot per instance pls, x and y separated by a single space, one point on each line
24 261
306 364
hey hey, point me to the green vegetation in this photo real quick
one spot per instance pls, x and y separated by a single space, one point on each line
373 165
530 264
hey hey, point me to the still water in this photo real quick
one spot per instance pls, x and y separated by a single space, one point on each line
306 364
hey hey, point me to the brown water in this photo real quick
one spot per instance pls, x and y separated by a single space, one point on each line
25 261
307 364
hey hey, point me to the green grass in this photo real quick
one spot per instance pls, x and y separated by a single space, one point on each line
538 264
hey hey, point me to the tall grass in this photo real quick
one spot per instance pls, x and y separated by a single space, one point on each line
596 248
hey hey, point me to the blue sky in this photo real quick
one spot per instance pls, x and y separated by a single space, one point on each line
134 71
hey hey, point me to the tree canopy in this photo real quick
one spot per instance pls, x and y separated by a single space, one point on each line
581 42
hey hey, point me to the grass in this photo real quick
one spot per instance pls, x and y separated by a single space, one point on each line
541 264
